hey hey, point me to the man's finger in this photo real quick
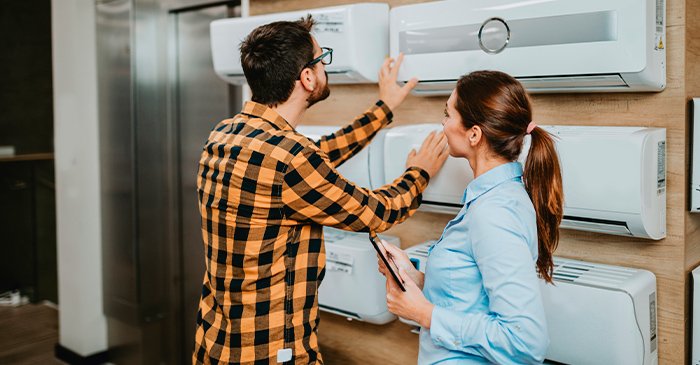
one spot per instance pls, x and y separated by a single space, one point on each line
439 137
397 64
385 69
410 85
428 140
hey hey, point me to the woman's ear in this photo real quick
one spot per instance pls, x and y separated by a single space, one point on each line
308 79
474 135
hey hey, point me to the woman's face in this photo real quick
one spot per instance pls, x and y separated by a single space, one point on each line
456 133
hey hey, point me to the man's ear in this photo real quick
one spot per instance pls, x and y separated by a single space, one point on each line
308 79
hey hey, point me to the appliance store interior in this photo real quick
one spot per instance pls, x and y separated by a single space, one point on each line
106 236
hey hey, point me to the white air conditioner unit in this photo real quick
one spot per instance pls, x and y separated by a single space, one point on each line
614 177
353 286
600 314
695 335
550 46
695 157
358 34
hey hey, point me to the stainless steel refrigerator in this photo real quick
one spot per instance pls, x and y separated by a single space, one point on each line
158 99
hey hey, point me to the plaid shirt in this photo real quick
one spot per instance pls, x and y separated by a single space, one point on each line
265 193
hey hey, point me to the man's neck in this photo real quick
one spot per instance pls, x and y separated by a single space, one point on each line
292 110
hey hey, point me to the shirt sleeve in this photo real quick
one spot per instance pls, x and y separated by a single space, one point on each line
313 191
351 139
514 330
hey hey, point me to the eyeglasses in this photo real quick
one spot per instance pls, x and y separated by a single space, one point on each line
325 58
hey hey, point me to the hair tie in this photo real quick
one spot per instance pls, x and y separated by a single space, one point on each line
530 127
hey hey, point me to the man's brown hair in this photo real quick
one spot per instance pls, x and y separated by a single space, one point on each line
273 56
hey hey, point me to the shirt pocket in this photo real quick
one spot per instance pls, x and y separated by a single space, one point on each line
462 278
439 270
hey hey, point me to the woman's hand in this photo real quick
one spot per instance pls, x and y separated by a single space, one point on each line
401 259
410 304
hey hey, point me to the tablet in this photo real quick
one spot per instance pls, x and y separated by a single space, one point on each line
389 263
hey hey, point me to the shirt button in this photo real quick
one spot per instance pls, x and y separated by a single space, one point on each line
456 343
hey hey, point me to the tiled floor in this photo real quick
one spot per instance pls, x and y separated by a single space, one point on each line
28 335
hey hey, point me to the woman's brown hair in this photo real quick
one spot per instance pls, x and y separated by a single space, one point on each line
499 105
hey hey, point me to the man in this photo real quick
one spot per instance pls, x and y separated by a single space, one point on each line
266 191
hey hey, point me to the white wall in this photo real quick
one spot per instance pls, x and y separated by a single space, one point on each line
82 324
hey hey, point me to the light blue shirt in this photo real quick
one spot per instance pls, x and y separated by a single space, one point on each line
481 277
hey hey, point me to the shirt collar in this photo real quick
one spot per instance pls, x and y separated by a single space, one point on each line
492 178
263 111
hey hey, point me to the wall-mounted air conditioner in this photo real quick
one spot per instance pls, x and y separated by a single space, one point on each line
695 335
695 157
614 177
353 286
600 314
550 46
358 34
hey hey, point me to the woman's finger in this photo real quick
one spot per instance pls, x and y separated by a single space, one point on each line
402 274
393 250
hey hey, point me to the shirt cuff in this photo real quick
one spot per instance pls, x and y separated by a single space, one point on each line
445 328
422 178
389 114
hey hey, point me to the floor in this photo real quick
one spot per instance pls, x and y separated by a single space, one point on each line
28 335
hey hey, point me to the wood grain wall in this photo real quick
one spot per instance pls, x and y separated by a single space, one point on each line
669 259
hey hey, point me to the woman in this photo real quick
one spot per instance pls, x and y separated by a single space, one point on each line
479 300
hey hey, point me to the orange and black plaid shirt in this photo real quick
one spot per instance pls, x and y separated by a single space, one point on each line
265 193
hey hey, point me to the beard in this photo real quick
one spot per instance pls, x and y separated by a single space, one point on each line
321 93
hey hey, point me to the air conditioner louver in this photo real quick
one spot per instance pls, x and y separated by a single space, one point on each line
593 275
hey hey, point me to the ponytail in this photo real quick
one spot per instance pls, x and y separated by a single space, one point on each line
542 178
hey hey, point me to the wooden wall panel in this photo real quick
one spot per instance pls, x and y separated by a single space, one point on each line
668 259
692 67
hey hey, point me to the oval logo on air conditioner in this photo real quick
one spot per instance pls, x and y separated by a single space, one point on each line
494 35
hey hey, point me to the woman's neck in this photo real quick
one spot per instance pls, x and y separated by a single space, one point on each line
483 163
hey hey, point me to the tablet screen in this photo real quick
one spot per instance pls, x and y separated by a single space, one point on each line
389 263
